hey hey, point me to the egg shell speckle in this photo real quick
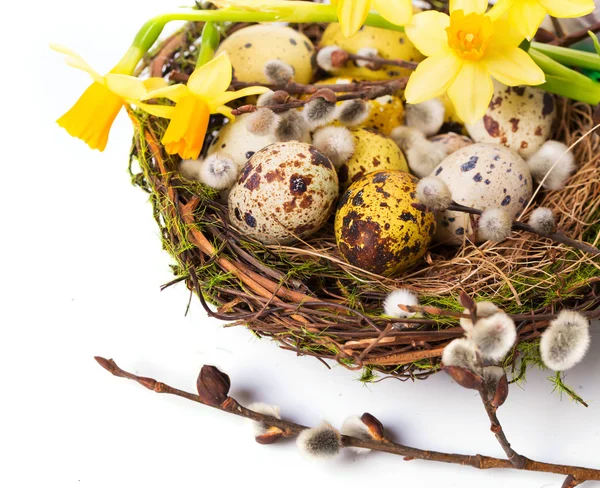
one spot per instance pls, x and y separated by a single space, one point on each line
250 48
373 151
482 176
376 226
235 139
385 112
286 190
518 117
389 44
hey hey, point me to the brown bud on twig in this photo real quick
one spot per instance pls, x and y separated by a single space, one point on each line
374 426
271 436
464 377
213 386
501 392
339 58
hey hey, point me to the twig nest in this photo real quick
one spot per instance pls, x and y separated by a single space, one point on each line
566 342
451 142
378 229
389 44
238 141
384 113
251 48
482 176
372 152
286 191
518 117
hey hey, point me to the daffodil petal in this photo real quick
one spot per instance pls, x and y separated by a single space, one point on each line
154 83
92 116
175 93
76 61
127 87
352 15
432 77
505 34
469 6
471 92
397 12
513 66
212 79
180 120
234 95
427 32
500 8
163 111
224 110
526 16
568 8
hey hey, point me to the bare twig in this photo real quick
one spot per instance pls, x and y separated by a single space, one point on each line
576 36
291 429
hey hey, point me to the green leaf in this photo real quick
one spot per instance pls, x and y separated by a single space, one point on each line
596 42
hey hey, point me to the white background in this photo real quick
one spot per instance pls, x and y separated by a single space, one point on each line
81 265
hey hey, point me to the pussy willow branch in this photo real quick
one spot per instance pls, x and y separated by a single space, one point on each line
496 427
555 236
339 58
291 429
576 36
368 93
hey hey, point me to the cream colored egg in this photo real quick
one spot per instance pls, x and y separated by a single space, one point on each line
482 176
250 48
451 141
286 191
389 44
373 151
519 117
239 143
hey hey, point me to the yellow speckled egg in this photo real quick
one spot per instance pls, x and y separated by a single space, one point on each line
385 113
389 44
250 48
373 151
376 226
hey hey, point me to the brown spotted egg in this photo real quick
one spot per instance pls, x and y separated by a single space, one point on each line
379 225
372 152
518 117
482 176
238 142
250 48
285 191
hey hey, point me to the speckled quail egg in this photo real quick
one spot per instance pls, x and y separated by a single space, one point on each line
372 152
285 191
385 113
238 142
389 44
451 141
250 48
482 176
376 226
518 117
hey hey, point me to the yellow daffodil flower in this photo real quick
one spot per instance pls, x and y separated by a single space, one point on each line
353 13
527 15
206 93
92 116
464 51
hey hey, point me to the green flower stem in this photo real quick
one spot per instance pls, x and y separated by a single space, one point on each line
208 44
290 11
569 57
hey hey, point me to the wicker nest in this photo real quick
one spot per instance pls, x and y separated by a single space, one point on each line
311 302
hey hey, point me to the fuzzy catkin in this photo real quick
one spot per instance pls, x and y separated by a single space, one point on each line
460 353
427 117
434 193
494 336
336 143
320 443
495 225
401 296
278 72
565 343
